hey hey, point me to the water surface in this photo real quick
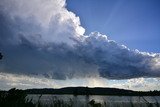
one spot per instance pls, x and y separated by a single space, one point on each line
105 101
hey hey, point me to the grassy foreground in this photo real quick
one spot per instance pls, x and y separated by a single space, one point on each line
17 98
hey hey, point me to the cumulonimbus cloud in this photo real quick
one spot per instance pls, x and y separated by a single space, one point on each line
40 37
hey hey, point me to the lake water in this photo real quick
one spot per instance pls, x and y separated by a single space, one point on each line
103 101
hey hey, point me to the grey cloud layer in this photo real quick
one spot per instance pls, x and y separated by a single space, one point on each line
55 47
117 61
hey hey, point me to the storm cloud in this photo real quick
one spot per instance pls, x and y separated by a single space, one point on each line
40 37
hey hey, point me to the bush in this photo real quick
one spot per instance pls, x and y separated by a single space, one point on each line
14 98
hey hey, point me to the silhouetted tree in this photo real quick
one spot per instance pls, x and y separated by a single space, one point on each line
94 104
1 56
15 98
87 91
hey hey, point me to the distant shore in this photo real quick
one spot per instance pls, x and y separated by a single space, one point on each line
89 91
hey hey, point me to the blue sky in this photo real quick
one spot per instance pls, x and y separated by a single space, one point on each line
134 23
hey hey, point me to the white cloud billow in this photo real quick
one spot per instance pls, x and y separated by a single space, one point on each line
49 19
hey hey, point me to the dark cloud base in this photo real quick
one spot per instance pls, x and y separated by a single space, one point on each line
91 57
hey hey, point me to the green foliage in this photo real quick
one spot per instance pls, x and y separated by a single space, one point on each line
14 98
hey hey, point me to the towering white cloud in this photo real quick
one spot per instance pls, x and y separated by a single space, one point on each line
48 19
41 37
